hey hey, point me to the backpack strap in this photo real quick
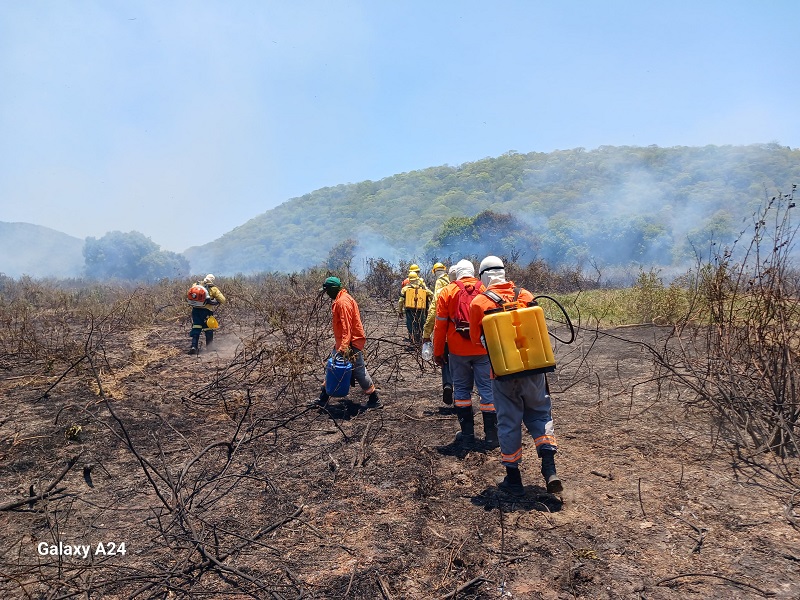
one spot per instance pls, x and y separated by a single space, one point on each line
494 297
498 300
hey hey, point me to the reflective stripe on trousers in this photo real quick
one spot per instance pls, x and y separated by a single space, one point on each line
523 401
470 372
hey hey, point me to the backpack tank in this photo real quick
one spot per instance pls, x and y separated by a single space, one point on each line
197 295
337 377
517 342
416 297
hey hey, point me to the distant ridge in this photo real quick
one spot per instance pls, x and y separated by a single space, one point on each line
623 204
39 252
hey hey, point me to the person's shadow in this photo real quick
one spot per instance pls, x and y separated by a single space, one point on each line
341 411
459 450
535 498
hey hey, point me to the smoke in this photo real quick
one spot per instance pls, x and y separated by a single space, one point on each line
372 245
649 207
227 342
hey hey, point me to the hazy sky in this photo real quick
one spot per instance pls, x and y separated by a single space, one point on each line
182 120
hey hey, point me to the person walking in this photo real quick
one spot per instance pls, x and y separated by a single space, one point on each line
468 360
202 296
348 333
414 299
519 398
440 272
411 269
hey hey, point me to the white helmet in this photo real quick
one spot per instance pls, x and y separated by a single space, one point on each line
209 278
464 268
489 263
492 270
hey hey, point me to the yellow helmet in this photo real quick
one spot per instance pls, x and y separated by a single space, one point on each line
413 276
414 268
437 267
212 322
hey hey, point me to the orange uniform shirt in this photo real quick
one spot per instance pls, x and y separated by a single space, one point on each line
347 327
481 304
444 329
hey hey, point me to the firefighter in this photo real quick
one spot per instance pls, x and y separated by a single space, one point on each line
412 269
348 333
468 361
201 314
439 271
414 299
521 399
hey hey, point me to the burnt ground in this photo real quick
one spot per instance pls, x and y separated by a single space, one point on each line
222 484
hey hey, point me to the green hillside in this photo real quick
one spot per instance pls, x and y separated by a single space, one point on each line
39 251
613 205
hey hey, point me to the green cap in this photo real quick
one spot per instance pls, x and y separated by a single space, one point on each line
331 282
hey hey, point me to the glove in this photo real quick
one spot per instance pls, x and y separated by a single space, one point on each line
348 353
439 359
426 339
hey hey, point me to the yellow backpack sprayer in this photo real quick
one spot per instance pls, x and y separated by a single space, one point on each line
516 337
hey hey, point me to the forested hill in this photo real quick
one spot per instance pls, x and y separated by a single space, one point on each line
612 204
39 251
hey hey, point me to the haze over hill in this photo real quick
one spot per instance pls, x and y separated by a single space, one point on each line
39 251
613 205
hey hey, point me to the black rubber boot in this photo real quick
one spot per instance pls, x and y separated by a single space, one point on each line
320 402
512 483
490 430
554 485
374 402
195 342
447 394
465 419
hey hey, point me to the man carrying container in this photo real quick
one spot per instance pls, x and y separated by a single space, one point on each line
414 299
519 398
348 332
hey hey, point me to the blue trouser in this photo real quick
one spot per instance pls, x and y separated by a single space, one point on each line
518 401
468 372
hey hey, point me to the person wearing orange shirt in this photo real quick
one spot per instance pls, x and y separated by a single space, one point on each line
521 398
348 333
468 362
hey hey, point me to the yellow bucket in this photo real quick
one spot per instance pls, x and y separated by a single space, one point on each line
212 323
517 342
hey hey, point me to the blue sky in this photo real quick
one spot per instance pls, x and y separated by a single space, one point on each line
182 120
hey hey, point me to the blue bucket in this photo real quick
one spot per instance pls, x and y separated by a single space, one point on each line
337 377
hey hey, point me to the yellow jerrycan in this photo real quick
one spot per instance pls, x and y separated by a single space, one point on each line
518 342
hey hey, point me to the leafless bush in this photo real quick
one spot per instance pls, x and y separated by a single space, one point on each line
382 278
206 497
539 277
738 343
